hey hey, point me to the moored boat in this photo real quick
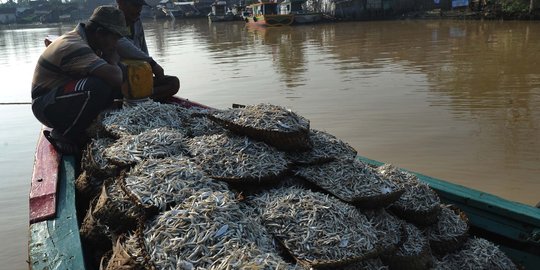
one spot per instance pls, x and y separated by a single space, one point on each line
301 16
55 243
220 12
267 14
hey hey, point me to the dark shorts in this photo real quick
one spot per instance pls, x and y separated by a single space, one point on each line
70 109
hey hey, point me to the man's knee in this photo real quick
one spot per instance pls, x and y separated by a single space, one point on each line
99 89
166 86
172 82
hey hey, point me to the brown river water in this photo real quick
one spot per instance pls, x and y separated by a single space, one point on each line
455 100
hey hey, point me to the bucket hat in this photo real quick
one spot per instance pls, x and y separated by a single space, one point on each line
110 18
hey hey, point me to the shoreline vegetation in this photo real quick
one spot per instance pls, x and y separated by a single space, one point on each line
15 15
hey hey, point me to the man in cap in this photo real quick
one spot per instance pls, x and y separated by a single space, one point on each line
77 77
134 46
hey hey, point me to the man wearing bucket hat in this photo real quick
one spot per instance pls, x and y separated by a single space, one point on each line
77 76
133 46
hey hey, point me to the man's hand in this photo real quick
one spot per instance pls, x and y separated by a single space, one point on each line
111 57
157 70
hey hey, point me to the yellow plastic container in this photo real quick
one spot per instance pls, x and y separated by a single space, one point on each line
140 80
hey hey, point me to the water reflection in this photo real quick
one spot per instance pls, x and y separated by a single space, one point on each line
457 100
473 85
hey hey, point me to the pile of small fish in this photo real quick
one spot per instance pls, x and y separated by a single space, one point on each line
325 147
205 231
154 143
352 181
178 194
265 117
114 208
449 232
419 204
94 162
271 124
159 183
476 253
315 227
145 116
389 228
414 253
237 158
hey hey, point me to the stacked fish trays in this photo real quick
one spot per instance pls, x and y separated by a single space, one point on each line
256 188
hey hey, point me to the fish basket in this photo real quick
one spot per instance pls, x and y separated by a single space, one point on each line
377 201
147 210
307 223
114 209
284 141
415 261
351 181
327 264
443 245
94 233
88 187
391 230
370 264
339 264
104 260
325 148
122 257
419 218
94 162
238 159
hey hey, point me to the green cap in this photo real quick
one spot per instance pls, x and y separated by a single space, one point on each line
110 18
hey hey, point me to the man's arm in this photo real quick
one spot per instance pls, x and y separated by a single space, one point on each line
127 50
111 73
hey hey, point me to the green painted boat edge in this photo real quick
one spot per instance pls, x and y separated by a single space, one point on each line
55 243
514 226
486 202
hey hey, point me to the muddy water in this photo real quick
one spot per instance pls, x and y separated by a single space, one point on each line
456 100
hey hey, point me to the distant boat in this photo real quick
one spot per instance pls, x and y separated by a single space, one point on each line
175 9
267 14
301 16
169 9
220 12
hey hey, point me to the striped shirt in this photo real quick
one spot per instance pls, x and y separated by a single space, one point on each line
68 58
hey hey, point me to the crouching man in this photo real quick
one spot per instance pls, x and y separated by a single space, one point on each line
77 77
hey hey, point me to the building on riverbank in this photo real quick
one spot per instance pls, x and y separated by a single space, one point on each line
8 15
46 11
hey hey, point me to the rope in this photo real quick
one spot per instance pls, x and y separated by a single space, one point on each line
15 103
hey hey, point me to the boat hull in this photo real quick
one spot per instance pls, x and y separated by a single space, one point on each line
307 18
271 20
221 18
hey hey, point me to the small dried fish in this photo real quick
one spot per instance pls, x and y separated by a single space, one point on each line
93 159
265 117
326 147
162 182
145 116
351 180
154 143
228 156
419 204
477 253
312 225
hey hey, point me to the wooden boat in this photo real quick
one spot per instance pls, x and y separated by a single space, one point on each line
301 16
267 14
219 12
54 241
